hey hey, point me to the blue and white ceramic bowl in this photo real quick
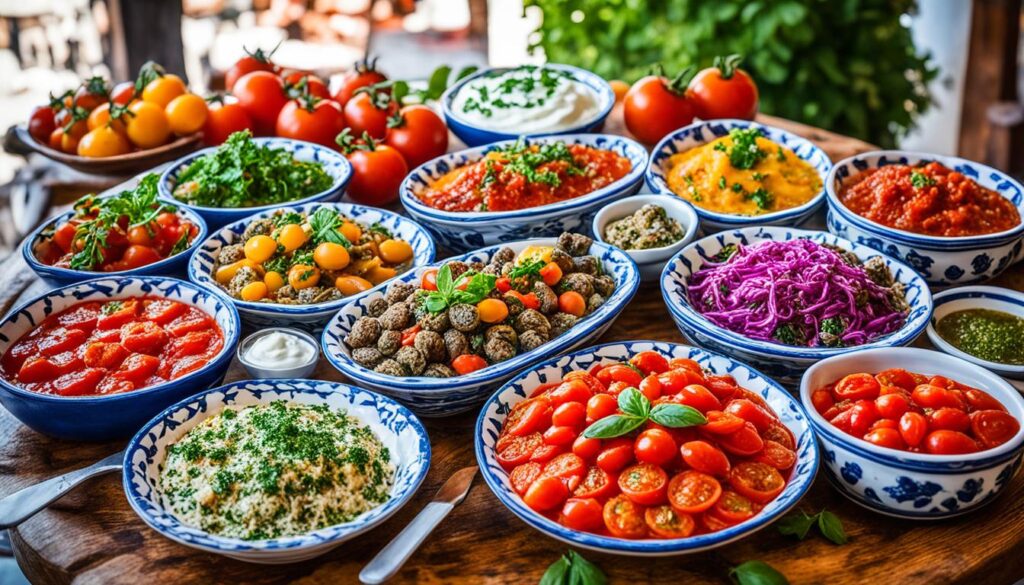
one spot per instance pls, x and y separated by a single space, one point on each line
701 133
113 416
962 298
901 483
492 418
448 396
651 261
310 317
336 165
55 276
476 135
462 231
785 363
397 428
941 261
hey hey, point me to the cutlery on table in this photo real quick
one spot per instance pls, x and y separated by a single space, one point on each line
391 558
23 504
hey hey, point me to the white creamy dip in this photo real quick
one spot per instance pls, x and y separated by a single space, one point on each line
525 100
280 351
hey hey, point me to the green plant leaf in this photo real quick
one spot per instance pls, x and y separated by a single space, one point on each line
831 527
612 426
444 280
556 573
677 415
757 573
796 524
632 402
584 572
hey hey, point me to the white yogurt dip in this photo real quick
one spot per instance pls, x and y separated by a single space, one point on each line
278 350
526 100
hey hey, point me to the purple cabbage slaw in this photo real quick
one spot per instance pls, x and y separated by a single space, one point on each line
761 289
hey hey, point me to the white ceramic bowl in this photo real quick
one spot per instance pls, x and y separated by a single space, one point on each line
397 428
257 370
941 261
902 483
977 297
651 261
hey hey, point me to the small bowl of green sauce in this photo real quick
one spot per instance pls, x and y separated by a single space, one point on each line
983 325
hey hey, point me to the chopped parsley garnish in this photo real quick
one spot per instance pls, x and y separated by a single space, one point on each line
920 180
789 335
833 326
722 184
725 253
325 224
522 159
745 153
111 307
762 198
527 269
526 87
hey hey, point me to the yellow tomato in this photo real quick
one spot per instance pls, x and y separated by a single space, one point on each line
273 280
351 231
492 310
351 285
227 272
259 249
148 127
254 291
395 251
163 89
68 143
292 237
533 253
331 256
102 142
303 276
379 274
101 117
186 113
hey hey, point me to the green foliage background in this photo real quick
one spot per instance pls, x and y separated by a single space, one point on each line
845 65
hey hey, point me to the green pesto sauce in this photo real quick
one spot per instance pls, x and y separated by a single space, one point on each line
995 336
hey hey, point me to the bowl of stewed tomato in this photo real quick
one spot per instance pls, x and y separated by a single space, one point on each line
645 448
914 433
94 360
130 233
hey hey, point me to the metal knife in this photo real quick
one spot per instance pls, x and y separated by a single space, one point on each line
391 558
23 504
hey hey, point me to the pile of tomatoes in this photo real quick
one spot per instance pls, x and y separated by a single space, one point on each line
654 482
913 412
656 105
97 120
381 138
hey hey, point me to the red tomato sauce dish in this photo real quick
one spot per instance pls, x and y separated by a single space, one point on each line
915 412
650 449
521 176
107 347
929 199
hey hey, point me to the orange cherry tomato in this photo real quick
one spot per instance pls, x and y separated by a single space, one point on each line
665 522
757 481
692 492
624 519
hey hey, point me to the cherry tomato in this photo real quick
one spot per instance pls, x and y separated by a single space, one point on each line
224 119
600 406
300 83
931 396
885 437
616 455
896 377
649 362
103 142
781 435
570 414
655 106
892 405
136 256
568 467
546 493
254 61
597 483
560 436
674 380
733 508
944 442
518 450
419 134
745 441
429 280
913 428
757 481
624 519
582 514
368 111
147 125
65 235
545 453
862 416
981 400
586 448
654 446
41 124
163 89
822 399
262 95
993 427
377 171
692 492
722 423
619 373
950 419
857 387
523 475
570 391
699 397
468 363
314 121
123 93
527 417
705 457
187 114
724 91
650 387
665 522
363 74
93 92
593 383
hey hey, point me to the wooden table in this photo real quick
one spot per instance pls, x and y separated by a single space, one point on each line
92 536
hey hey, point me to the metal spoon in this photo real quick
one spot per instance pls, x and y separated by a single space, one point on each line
23 504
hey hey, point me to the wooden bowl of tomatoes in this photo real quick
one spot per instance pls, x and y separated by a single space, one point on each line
645 448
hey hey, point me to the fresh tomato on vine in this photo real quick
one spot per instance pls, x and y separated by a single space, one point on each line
252 61
657 105
363 74
41 124
298 83
93 92
368 112
312 119
224 119
262 95
377 169
724 91
418 133
123 93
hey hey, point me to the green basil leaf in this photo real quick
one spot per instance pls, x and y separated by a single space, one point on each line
796 524
615 425
758 573
555 575
435 303
632 402
445 286
831 527
584 572
677 415
465 72
399 90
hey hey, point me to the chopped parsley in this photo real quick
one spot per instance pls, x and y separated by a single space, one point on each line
920 180
525 87
527 161
744 153
762 198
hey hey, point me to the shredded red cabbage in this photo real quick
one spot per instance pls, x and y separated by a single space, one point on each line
796 292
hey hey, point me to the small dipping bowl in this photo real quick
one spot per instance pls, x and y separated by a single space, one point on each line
653 260
976 297
258 371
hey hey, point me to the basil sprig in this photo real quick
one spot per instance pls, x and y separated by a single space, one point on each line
572 569
448 293
636 410
757 573
799 523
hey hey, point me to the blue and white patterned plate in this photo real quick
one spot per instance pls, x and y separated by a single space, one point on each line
701 133
917 486
200 267
785 363
112 416
941 261
56 276
336 165
474 135
398 429
462 231
492 417
448 396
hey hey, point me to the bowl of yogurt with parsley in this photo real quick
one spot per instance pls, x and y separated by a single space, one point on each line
275 471
529 100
